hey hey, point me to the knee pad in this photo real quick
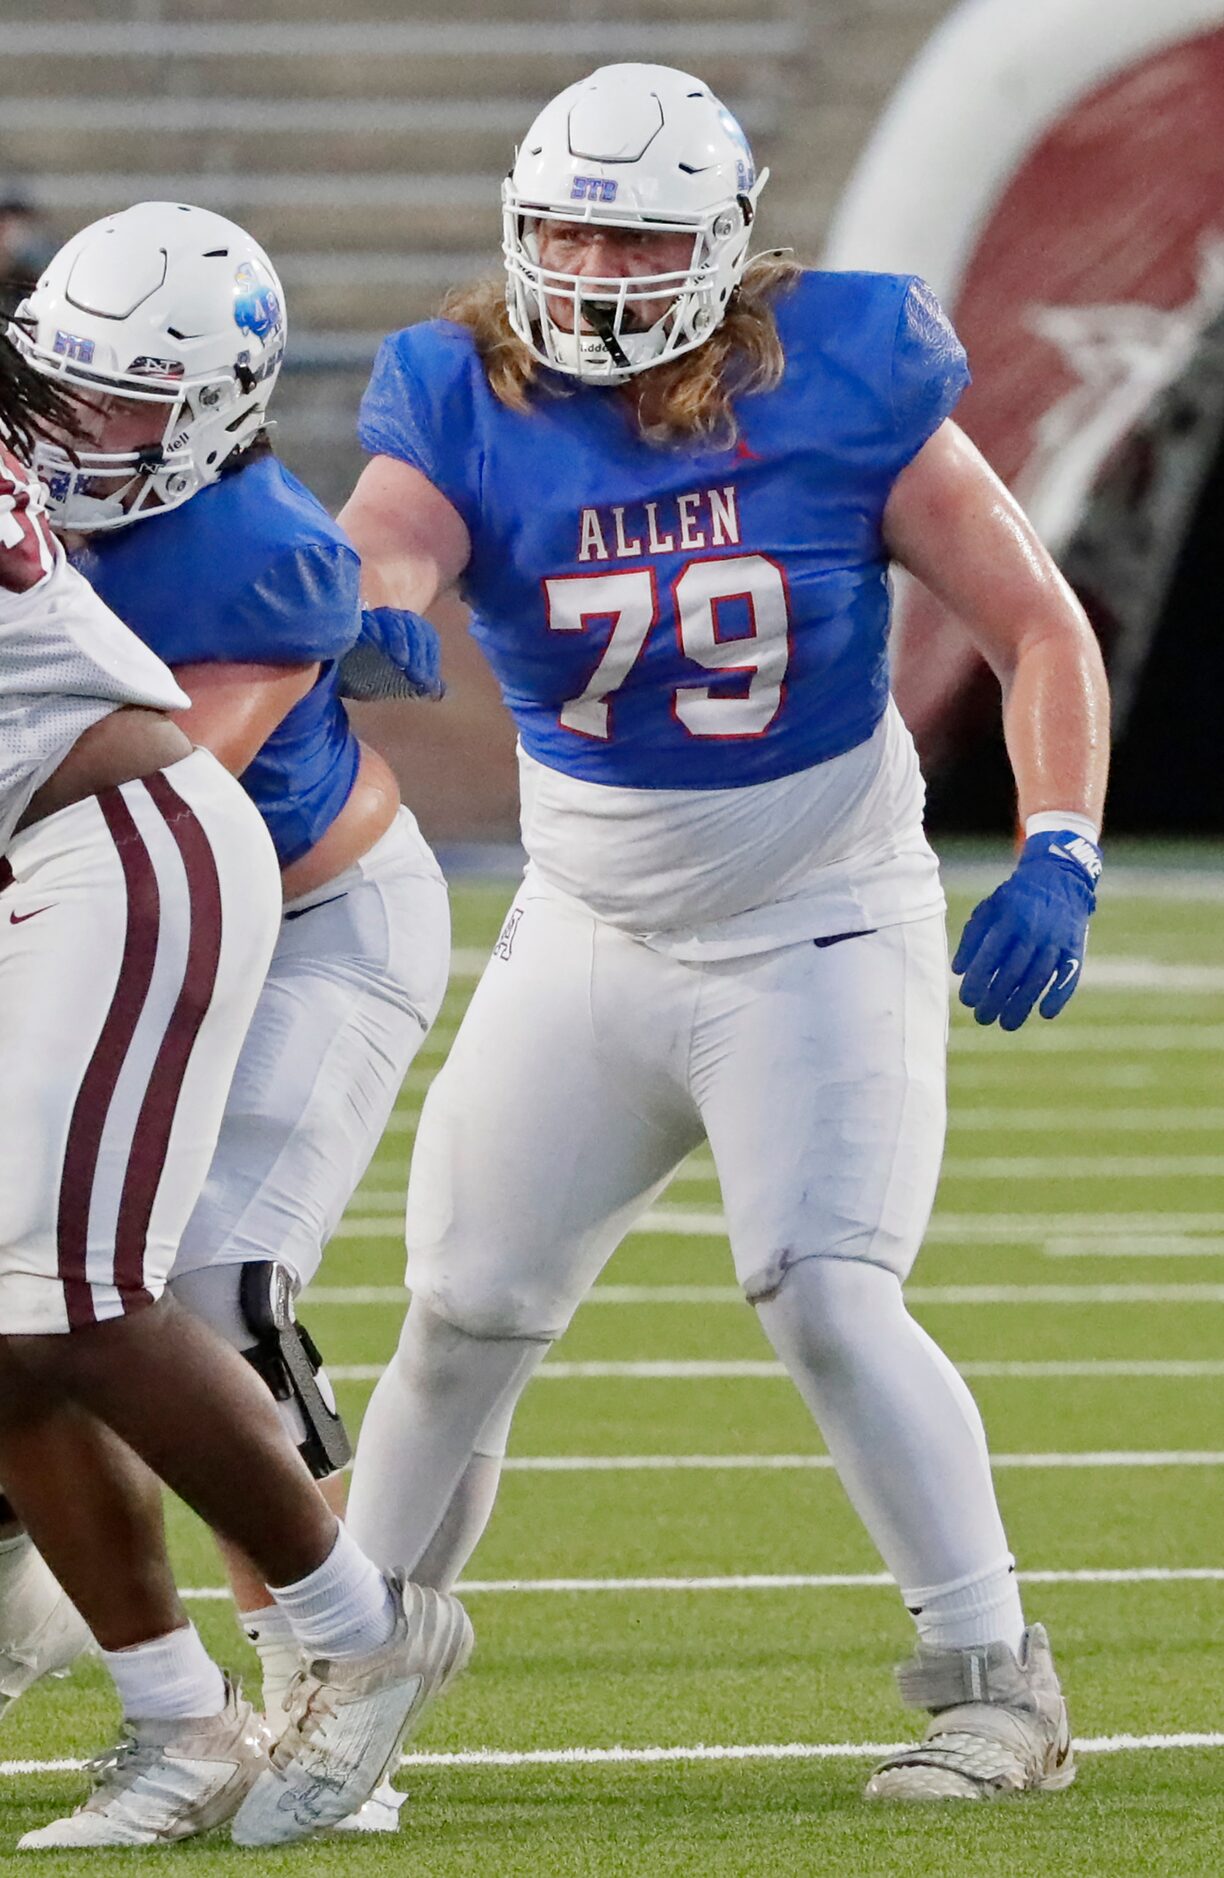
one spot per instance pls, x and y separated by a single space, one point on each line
251 1307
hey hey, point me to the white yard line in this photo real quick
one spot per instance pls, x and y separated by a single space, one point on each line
792 1463
1170 1246
767 1751
1083 1166
1089 1039
1090 1369
829 1581
783 1581
1032 1228
703 1751
949 1228
1146 1121
328 1295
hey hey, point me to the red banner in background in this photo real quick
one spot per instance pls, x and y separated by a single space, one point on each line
1057 172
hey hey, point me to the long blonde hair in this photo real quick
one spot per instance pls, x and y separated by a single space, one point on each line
683 400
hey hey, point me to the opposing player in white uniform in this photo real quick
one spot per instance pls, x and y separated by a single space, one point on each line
169 322
139 903
670 486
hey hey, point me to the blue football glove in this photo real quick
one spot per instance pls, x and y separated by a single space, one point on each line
1030 935
398 655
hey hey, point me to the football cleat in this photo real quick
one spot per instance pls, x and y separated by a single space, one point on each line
41 1631
1000 1725
281 1663
166 1780
379 1814
348 1715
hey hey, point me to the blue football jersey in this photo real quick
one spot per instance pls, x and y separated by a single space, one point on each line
663 617
252 569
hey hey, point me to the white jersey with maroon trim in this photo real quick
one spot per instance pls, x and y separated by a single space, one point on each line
65 659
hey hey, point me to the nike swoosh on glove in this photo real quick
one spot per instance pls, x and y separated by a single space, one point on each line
1030 936
398 655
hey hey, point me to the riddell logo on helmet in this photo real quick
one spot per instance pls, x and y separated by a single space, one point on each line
593 189
156 368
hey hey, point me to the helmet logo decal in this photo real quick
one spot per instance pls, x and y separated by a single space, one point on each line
257 308
73 346
745 168
593 189
145 367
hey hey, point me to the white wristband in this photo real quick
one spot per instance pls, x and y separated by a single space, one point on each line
1052 821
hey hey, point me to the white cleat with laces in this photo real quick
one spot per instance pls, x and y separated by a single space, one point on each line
348 1716
166 1780
999 1725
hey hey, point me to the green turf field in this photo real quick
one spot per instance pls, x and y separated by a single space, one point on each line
681 1720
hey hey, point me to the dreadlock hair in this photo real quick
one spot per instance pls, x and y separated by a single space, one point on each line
685 400
30 405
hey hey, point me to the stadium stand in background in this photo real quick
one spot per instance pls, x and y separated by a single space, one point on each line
366 152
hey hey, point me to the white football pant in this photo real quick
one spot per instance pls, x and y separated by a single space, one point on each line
586 1068
357 977
135 931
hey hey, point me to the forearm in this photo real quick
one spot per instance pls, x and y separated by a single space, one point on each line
1056 722
413 544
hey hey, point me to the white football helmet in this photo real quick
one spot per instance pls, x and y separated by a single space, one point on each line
632 146
166 305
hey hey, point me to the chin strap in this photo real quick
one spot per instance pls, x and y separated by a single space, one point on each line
601 320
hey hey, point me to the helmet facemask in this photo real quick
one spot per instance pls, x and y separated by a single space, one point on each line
93 489
617 343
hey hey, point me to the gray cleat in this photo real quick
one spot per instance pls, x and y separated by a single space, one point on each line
348 1716
1000 1725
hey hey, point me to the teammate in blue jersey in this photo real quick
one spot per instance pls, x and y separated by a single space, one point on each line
671 484
169 323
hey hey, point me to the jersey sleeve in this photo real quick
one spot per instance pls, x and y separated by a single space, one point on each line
304 604
28 549
418 407
929 369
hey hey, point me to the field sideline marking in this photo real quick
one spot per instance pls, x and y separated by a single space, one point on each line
702 1751
700 1369
319 1295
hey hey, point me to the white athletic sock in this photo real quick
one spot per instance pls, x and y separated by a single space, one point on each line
279 1657
168 1679
342 1608
903 1430
984 1608
429 1455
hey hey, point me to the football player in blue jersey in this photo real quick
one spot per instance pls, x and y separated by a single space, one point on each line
670 482
168 322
